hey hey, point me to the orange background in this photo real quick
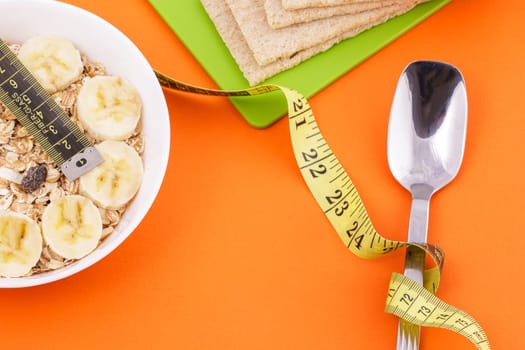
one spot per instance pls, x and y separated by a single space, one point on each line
236 254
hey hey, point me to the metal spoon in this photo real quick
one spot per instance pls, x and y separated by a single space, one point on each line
426 139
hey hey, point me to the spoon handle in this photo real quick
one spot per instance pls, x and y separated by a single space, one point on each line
417 233
409 334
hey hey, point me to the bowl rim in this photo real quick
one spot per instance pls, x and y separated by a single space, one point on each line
157 160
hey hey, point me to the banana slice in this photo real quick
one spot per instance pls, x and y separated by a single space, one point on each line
72 226
54 61
109 108
20 244
114 182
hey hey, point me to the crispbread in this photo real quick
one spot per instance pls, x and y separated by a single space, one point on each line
227 27
301 4
269 45
254 73
279 17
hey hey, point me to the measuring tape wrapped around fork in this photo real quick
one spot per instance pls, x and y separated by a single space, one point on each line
339 200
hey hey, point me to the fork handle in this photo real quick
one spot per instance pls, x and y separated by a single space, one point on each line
409 334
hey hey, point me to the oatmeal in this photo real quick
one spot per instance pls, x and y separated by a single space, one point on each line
30 180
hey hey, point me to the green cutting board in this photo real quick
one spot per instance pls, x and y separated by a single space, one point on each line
189 21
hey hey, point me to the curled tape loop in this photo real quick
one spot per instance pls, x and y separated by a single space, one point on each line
339 200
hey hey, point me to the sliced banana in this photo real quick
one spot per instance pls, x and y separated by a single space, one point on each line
72 226
54 61
20 244
109 108
113 183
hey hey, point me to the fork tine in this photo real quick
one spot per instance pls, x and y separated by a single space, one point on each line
408 336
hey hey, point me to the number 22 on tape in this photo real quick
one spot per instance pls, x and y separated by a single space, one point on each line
339 200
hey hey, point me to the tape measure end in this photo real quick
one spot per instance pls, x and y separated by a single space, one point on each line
81 163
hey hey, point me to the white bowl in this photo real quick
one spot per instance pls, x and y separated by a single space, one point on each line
100 41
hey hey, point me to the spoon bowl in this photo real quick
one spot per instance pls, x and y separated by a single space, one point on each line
427 127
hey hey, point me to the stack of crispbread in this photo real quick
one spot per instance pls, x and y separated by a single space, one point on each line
266 37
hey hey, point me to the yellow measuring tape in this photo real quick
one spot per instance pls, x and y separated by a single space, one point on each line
338 198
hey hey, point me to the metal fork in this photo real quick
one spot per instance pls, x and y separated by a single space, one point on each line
408 333
408 336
